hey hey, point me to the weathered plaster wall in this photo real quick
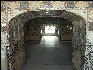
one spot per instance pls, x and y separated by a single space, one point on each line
15 9
89 42
66 33
85 9
65 30
32 31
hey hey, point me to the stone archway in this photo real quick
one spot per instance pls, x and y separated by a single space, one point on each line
79 38
16 34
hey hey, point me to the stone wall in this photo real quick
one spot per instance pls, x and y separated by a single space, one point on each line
16 40
89 42
16 54
65 30
79 39
10 9
32 31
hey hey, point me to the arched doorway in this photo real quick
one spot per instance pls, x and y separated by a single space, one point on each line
16 33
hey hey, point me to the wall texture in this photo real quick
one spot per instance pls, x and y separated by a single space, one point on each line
32 31
65 30
10 9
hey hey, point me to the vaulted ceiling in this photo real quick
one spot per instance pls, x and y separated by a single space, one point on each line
50 13
49 20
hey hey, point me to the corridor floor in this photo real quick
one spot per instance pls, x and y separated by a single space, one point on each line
49 54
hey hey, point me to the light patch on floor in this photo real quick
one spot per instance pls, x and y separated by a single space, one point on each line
49 54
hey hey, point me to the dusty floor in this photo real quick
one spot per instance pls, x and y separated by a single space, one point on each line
49 54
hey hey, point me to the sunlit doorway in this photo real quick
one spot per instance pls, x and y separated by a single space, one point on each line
49 29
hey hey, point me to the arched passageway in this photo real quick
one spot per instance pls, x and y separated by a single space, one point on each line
16 32
49 52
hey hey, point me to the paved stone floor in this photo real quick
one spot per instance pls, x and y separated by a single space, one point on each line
49 54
